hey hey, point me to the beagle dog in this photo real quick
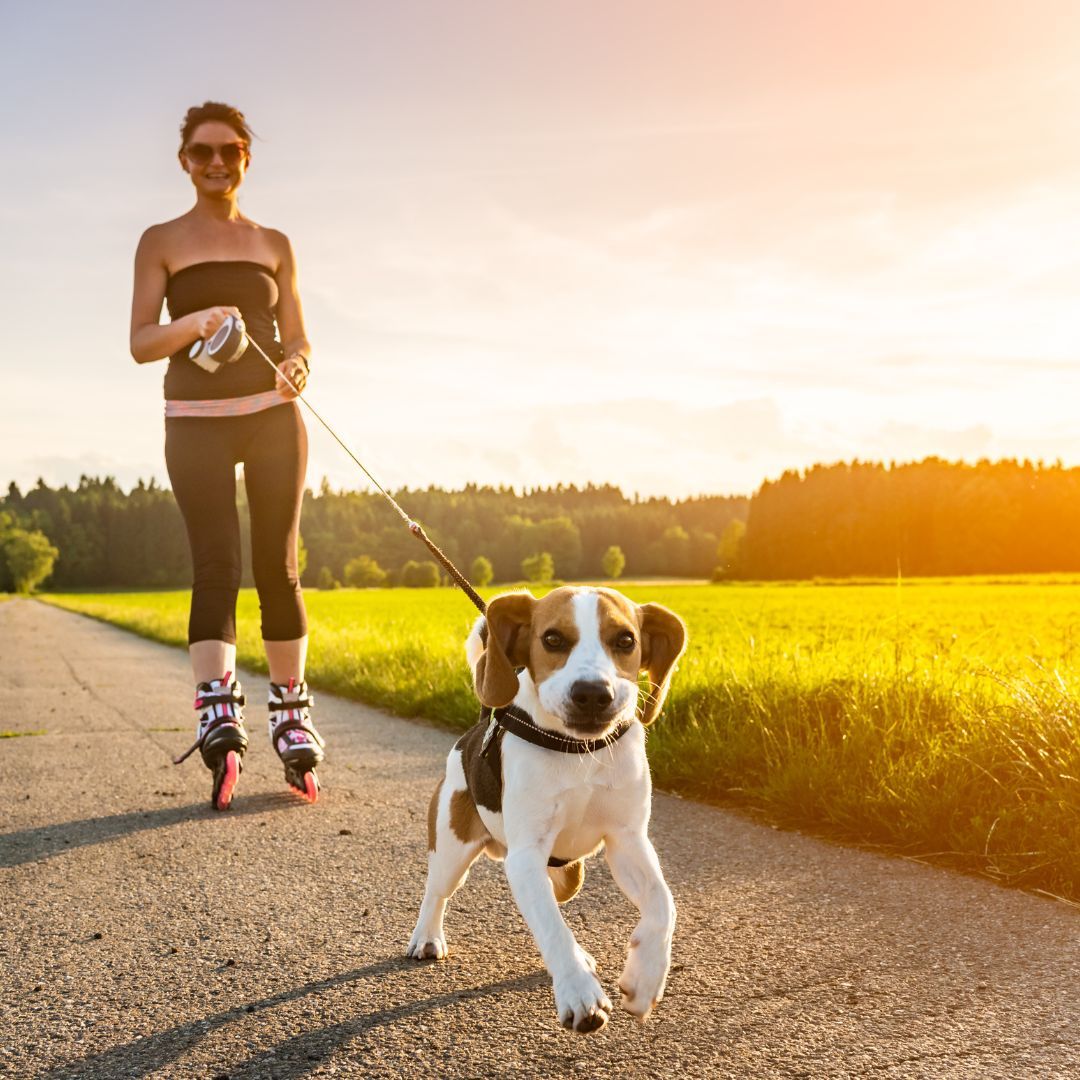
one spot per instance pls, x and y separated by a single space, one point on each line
555 770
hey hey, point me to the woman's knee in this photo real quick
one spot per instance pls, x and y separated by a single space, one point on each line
217 573
284 617
276 578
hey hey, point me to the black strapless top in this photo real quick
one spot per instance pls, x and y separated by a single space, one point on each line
248 286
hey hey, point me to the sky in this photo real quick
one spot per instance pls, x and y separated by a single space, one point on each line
679 247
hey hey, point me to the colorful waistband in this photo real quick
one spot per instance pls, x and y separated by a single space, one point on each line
238 406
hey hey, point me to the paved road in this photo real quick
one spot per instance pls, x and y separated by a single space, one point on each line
143 935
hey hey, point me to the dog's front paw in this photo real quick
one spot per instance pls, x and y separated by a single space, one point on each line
585 958
581 1003
426 946
643 979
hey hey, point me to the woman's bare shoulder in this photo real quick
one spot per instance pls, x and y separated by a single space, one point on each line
275 237
282 248
174 225
159 237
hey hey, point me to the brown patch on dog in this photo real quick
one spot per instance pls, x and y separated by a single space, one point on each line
508 619
617 615
554 612
663 639
660 640
433 815
566 880
464 819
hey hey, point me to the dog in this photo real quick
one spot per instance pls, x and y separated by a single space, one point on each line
555 770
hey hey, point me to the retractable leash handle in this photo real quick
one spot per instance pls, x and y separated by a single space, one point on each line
229 343
224 346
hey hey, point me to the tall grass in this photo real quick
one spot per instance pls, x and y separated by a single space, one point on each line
939 720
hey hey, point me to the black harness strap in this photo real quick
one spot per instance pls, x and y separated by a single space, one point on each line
518 722
487 768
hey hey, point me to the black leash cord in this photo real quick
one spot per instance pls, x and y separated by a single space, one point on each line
415 527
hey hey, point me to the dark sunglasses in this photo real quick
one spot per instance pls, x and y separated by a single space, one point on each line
203 153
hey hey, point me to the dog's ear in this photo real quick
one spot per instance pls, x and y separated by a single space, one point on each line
663 639
506 646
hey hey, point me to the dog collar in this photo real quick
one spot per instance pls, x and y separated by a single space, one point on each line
518 722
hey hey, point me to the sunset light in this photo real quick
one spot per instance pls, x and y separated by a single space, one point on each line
754 235
538 538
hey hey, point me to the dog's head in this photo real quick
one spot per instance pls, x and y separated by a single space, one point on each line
583 649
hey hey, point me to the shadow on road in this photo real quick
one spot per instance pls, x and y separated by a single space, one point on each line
29 845
293 1057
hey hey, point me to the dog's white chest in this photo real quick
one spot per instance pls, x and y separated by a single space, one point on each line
576 800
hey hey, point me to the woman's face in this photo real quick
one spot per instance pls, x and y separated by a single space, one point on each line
216 158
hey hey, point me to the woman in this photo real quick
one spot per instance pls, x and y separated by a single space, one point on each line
207 264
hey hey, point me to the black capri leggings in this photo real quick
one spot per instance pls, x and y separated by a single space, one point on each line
201 453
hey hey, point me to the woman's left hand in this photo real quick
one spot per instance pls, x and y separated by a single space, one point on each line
295 370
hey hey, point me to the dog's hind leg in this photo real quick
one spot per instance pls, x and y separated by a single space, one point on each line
456 836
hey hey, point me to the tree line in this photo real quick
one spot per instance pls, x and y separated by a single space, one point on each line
932 517
106 537
926 518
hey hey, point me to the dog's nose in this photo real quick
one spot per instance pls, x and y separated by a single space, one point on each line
592 695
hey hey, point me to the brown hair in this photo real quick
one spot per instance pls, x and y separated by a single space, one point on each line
214 110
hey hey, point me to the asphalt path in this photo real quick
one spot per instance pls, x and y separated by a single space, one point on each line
144 935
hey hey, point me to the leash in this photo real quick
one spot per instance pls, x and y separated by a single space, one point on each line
229 342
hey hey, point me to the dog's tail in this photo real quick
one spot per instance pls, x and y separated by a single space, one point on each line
567 880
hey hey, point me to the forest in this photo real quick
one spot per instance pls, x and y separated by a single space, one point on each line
106 537
864 519
926 518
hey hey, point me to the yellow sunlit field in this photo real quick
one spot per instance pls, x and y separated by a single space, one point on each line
938 719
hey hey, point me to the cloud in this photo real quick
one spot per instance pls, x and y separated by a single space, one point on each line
906 441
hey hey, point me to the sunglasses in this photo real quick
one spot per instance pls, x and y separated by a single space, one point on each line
203 153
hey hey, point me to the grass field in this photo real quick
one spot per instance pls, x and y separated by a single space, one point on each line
938 719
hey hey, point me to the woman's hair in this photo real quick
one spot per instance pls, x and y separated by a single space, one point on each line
214 110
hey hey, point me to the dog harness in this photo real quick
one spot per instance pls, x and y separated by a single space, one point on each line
483 763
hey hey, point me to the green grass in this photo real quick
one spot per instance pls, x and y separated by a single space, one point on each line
939 719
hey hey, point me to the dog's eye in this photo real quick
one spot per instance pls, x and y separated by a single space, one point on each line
553 640
625 641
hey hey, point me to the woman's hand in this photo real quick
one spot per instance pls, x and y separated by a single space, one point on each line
295 369
209 319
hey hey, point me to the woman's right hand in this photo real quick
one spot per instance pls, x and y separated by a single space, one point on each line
209 319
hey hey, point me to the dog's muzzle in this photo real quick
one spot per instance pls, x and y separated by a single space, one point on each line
591 707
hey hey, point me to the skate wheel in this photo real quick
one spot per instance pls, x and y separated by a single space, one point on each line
311 787
228 781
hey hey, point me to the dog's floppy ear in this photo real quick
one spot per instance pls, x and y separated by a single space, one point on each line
663 638
506 646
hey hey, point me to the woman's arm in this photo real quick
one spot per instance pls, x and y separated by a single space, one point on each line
151 339
290 319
